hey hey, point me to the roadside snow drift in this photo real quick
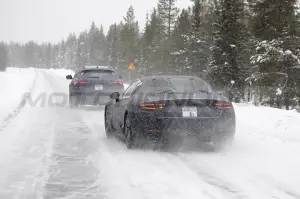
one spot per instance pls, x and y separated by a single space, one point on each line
15 82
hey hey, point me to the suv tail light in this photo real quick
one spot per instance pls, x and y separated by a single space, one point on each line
223 105
120 83
152 106
80 83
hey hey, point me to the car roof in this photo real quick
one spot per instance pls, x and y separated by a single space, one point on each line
162 77
96 68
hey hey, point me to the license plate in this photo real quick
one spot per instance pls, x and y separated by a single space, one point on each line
189 111
98 87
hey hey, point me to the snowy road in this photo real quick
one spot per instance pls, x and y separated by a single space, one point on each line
55 152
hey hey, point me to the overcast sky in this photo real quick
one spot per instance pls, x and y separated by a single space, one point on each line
53 20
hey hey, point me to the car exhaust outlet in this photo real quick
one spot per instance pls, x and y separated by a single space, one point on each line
156 136
150 136
153 136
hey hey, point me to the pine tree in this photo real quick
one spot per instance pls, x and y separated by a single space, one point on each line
112 50
96 45
91 47
226 69
180 48
29 54
271 17
101 46
130 17
82 54
55 59
155 40
198 38
275 26
196 19
3 56
74 49
199 43
62 55
144 47
48 56
168 13
128 39
70 51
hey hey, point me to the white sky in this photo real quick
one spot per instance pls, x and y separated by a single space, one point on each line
53 20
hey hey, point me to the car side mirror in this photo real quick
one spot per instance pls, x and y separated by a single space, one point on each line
115 95
69 77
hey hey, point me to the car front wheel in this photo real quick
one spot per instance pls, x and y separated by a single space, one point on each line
109 132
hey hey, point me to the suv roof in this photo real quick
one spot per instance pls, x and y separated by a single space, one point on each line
85 68
153 77
97 67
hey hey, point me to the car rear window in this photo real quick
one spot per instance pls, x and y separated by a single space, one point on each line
177 85
99 74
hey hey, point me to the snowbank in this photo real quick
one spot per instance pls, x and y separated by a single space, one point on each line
278 123
14 83
62 72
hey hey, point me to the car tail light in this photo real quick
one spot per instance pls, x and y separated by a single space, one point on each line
152 106
223 105
80 83
120 83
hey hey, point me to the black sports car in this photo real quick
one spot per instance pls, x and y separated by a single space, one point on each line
168 110
93 85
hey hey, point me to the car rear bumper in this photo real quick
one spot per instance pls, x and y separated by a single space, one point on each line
197 129
92 91
92 98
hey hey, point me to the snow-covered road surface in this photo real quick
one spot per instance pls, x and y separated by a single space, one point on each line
55 152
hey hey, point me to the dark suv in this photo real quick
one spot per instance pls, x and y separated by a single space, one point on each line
92 85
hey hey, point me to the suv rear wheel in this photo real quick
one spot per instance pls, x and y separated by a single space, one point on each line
73 101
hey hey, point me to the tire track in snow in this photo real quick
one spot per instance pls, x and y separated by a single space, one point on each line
292 194
72 172
280 187
26 147
206 174
250 185
21 105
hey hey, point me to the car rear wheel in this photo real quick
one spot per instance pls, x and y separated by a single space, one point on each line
129 135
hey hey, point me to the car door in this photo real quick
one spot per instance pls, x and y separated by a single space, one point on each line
122 104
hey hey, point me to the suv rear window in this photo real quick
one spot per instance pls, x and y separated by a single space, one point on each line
99 74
